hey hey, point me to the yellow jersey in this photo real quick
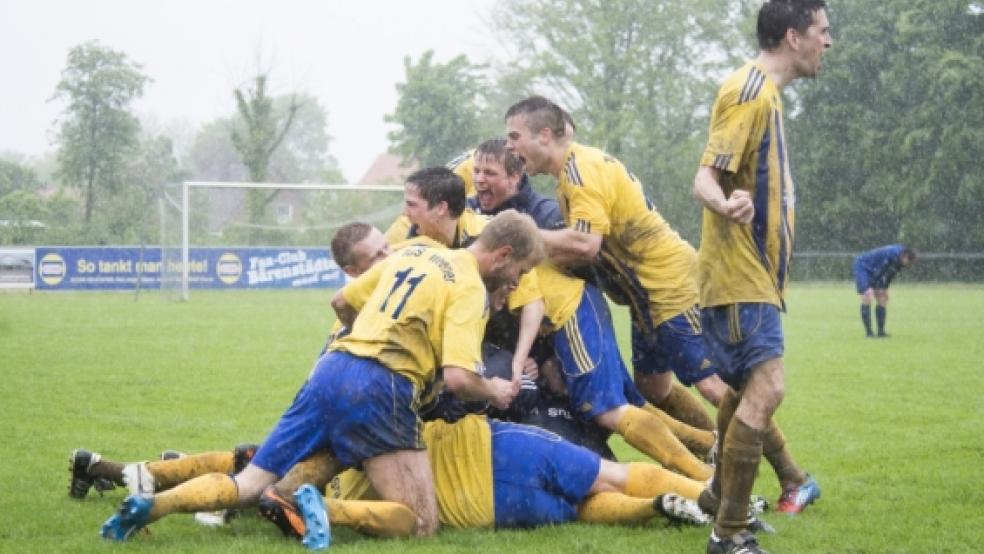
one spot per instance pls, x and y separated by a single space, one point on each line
464 166
748 263
420 309
460 455
653 268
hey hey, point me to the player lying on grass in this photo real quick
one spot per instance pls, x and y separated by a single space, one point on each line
418 311
489 474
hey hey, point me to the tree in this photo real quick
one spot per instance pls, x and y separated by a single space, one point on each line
16 176
98 131
438 110
637 75
886 143
259 139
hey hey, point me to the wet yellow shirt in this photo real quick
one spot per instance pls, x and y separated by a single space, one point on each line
748 263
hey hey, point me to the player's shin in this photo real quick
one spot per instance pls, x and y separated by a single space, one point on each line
615 508
169 473
741 453
373 517
649 480
210 492
686 407
698 441
649 434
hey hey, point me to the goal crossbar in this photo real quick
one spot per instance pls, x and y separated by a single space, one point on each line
186 187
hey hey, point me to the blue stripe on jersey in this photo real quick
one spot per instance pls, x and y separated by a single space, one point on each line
783 220
760 223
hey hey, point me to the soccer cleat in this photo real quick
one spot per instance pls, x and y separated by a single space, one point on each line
282 513
139 479
242 455
796 498
131 517
79 464
170 454
742 543
680 510
317 533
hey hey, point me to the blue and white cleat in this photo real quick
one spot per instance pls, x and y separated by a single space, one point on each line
317 531
131 517
795 499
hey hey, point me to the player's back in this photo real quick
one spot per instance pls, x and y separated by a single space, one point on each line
420 309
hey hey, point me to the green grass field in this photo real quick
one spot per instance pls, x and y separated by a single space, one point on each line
891 428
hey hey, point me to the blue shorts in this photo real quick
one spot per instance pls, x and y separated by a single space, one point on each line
740 337
538 478
675 345
594 373
863 280
353 407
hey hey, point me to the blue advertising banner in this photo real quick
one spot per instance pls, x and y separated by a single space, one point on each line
123 267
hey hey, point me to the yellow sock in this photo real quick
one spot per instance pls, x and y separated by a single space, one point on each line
168 473
318 469
213 491
685 407
649 481
373 517
616 508
649 434
698 441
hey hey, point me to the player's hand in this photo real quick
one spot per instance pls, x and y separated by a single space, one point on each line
739 207
502 392
531 369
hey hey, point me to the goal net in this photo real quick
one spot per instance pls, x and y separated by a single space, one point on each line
207 226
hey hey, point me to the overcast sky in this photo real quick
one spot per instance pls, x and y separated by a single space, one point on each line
347 53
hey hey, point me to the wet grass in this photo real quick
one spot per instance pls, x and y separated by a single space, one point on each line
891 428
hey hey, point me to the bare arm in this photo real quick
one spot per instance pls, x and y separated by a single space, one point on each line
567 247
707 189
468 385
343 310
530 318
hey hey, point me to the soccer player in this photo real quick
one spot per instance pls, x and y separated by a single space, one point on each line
873 272
639 259
421 309
490 473
355 247
745 187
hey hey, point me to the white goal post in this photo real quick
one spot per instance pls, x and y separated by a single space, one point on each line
184 209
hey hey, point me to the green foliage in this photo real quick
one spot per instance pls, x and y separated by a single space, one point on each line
894 450
886 144
16 176
638 76
98 132
259 130
438 110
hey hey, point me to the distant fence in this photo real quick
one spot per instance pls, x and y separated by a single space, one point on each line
929 267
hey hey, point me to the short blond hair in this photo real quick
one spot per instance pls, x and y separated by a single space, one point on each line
511 228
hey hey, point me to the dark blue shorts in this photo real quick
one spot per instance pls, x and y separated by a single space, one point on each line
740 337
863 280
353 407
594 373
676 345
538 478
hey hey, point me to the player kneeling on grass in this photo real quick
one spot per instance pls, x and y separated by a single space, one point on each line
421 309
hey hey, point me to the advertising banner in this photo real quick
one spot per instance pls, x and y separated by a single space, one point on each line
124 267
16 268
